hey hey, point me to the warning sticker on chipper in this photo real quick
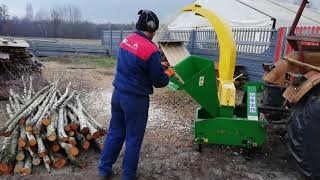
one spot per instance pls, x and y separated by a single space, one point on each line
253 103
252 109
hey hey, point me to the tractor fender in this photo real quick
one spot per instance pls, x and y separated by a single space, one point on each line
294 93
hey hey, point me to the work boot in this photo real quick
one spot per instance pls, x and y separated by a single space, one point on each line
109 176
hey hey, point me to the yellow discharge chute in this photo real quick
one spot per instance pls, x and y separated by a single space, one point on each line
227 61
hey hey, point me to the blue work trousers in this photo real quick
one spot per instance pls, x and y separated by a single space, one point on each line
128 123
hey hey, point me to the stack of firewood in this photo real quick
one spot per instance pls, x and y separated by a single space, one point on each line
46 126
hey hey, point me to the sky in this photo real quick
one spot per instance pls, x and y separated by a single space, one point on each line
103 11
115 11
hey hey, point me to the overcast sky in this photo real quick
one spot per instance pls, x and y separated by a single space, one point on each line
102 11
116 11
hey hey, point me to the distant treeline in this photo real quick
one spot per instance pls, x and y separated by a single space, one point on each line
61 22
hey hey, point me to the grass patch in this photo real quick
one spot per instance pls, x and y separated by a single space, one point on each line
98 61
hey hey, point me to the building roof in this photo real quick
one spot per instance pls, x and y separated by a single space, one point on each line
247 13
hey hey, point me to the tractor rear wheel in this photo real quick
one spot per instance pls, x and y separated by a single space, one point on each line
304 134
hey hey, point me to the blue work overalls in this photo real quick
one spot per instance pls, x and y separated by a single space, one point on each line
138 71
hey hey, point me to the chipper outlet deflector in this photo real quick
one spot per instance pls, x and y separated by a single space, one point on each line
217 121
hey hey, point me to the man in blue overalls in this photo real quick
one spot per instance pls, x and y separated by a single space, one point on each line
138 70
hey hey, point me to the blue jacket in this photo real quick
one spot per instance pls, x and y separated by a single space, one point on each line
138 67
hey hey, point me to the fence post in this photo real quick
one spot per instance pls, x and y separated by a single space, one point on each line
121 34
192 40
111 43
102 38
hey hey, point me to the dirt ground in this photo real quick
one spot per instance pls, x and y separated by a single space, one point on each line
168 152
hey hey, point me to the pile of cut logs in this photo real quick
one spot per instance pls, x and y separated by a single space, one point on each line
46 126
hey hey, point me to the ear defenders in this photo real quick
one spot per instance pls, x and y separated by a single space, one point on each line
151 24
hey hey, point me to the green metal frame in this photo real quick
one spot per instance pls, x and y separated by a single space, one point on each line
229 131
247 132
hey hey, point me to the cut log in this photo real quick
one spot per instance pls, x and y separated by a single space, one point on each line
39 116
60 101
3 152
41 147
65 121
32 140
74 123
30 88
45 116
95 133
100 142
29 128
83 142
58 161
81 117
51 129
18 167
47 163
36 160
89 137
8 156
20 154
72 150
24 111
71 133
27 168
23 138
72 141
46 121
55 147
61 133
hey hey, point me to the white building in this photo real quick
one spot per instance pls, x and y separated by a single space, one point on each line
247 13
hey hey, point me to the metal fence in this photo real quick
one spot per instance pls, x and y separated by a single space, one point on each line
248 40
55 48
111 39
254 45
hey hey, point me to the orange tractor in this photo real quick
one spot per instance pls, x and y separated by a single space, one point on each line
292 85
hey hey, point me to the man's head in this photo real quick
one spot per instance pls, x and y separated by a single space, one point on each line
148 22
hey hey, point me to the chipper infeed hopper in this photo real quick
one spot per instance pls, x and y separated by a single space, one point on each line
217 120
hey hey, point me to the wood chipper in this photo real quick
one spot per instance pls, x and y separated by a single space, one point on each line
290 93
217 121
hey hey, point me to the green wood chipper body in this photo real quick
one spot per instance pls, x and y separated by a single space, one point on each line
215 124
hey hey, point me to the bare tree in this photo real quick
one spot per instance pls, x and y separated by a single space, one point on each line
29 12
56 20
73 13
40 20
4 13
4 18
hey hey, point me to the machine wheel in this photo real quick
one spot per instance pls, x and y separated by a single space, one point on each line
304 134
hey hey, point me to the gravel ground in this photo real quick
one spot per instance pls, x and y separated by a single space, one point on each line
168 150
